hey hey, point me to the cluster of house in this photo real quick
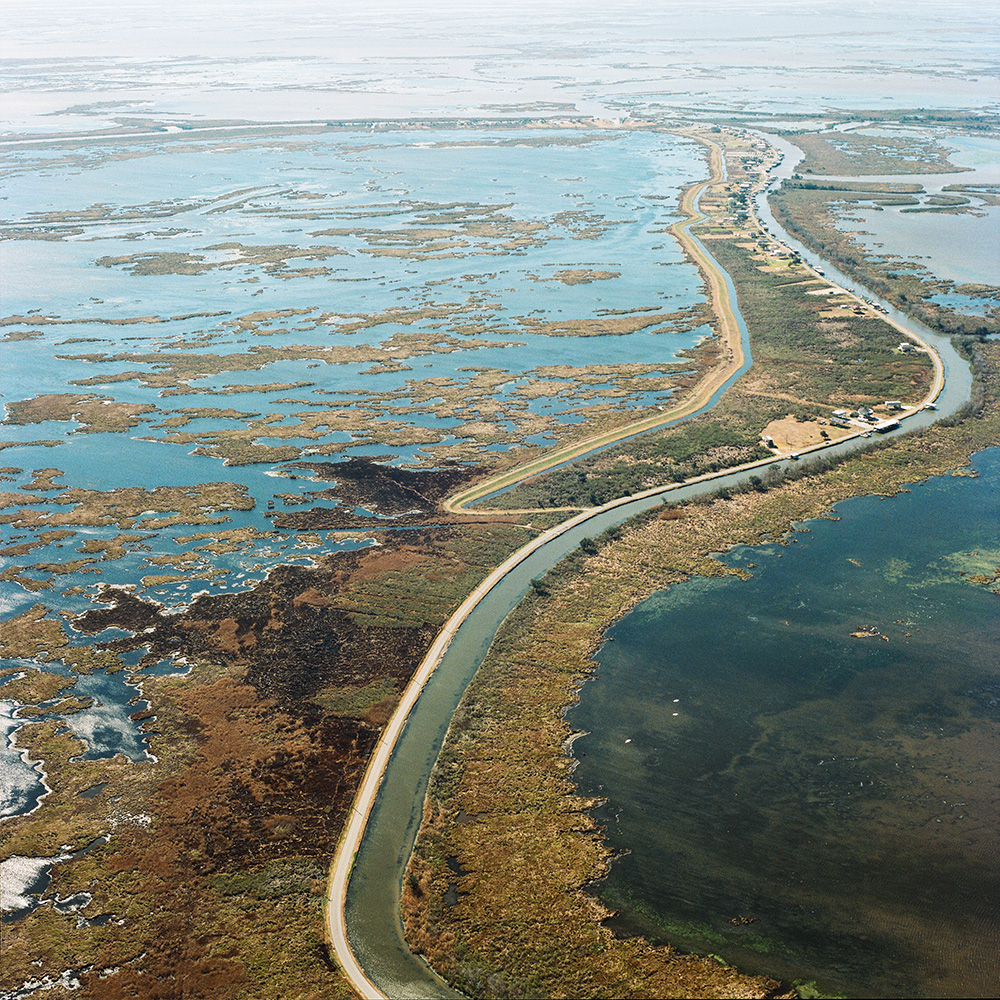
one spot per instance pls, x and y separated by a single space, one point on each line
842 418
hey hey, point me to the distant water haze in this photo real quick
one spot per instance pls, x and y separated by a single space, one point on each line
79 66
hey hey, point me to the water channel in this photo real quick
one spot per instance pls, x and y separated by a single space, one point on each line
372 909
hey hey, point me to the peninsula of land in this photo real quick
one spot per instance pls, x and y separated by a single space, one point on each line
265 709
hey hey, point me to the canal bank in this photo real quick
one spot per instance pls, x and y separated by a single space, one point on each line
371 899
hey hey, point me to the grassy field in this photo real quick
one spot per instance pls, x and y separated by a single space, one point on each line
853 153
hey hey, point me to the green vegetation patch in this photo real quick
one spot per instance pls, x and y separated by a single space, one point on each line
356 701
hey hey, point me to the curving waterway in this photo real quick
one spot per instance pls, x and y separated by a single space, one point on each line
811 792
372 915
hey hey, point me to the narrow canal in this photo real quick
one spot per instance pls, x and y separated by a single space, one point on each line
372 909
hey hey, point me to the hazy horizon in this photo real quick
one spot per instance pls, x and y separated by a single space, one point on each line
257 62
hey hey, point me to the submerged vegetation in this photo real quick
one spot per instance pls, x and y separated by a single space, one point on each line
497 894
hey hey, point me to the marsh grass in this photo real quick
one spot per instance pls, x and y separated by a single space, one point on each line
502 806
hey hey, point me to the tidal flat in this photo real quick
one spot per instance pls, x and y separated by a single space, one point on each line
412 361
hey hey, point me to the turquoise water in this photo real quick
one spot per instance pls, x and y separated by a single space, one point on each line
800 800
474 227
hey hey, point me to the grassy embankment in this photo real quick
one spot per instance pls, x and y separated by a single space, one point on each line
813 352
714 361
496 895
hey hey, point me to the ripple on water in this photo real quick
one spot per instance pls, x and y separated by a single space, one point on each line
811 791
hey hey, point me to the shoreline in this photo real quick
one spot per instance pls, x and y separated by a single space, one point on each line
349 844
303 618
730 342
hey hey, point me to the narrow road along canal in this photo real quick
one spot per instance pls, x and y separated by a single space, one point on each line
371 915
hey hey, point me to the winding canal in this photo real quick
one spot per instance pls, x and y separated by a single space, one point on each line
363 917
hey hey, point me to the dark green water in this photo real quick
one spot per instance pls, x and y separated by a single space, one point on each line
802 801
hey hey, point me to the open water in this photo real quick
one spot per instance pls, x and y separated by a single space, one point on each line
958 246
169 70
800 768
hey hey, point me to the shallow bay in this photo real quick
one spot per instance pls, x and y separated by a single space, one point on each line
801 766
